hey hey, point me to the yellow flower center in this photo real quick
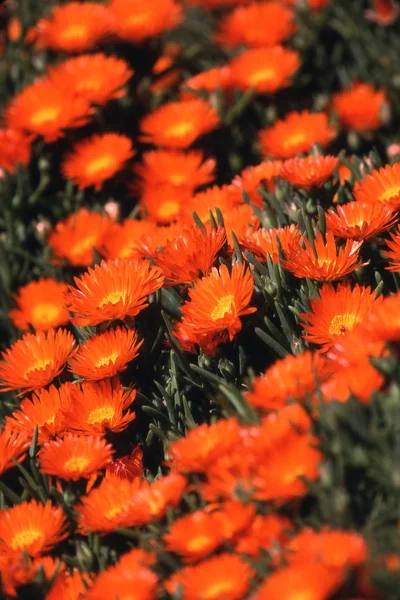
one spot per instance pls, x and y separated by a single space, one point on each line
180 129
324 262
114 512
98 415
99 164
25 538
218 589
83 245
262 75
77 31
112 298
198 543
45 313
342 323
295 140
177 178
39 365
223 306
45 115
102 362
76 463
389 194
168 209
138 19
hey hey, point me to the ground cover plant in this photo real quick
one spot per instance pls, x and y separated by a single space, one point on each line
200 299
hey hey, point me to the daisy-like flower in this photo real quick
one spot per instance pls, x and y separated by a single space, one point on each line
75 457
383 12
312 171
21 570
393 252
251 178
137 20
383 324
311 580
74 239
96 159
190 255
13 446
257 25
179 124
264 242
175 167
336 311
46 109
291 378
165 492
225 198
333 548
124 240
43 410
218 300
224 576
15 149
32 527
40 304
264 533
360 220
106 507
206 81
97 407
327 263
69 585
97 77
35 360
382 185
106 354
295 133
129 466
194 536
267 70
73 27
360 107
163 203
203 445
122 579
113 290
239 220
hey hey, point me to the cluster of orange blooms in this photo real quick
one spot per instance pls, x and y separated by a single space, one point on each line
221 521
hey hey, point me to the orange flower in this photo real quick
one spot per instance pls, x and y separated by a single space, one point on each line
194 536
224 198
264 242
293 377
312 581
393 254
96 77
69 586
383 324
267 70
264 533
190 255
327 263
137 20
96 159
203 445
239 220
360 107
163 202
384 12
15 149
308 172
251 178
106 507
31 527
126 580
46 109
257 25
382 185
176 168
13 445
75 238
44 411
35 360
218 300
336 311
360 220
207 81
332 548
40 304
113 290
225 576
98 407
123 240
165 492
106 354
21 570
179 124
73 27
75 456
297 132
